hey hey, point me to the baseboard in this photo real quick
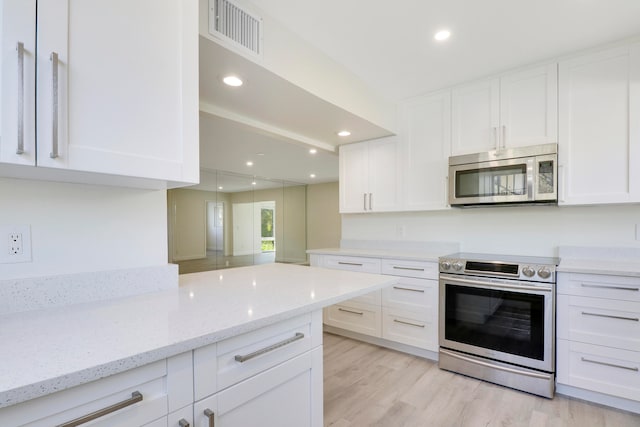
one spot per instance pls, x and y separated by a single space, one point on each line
381 342
599 398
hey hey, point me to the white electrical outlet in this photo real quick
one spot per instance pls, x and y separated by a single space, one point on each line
15 244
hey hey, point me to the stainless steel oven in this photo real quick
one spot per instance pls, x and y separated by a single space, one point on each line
497 319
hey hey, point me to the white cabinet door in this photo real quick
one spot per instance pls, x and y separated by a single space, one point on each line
288 395
475 117
426 146
384 175
354 177
126 86
369 176
599 133
17 90
529 107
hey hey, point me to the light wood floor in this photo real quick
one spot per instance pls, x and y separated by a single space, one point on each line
365 385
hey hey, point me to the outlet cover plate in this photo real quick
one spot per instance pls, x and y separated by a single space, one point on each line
6 255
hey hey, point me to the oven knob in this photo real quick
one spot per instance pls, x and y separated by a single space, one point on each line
544 273
528 271
457 266
445 265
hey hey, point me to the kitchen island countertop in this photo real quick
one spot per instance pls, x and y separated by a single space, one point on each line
56 348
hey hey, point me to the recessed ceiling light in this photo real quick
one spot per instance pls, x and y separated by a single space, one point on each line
442 35
344 133
313 151
220 188
249 163
232 81
253 183
313 175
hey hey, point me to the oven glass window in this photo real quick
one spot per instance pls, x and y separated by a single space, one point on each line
488 182
510 322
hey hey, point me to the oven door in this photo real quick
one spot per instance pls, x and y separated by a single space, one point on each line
505 320
499 181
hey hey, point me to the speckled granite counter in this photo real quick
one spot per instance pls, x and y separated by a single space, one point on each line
610 261
52 349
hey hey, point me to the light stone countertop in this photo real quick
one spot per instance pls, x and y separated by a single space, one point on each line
617 261
431 256
49 350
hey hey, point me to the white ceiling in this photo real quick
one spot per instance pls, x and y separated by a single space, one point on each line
389 46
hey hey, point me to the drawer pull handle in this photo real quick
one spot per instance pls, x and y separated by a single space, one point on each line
183 423
395 267
349 263
296 337
209 414
408 289
359 313
635 369
136 397
408 323
617 288
633 319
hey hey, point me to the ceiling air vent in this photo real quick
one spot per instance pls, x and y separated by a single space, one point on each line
233 24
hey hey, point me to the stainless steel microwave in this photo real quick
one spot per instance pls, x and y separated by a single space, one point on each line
511 176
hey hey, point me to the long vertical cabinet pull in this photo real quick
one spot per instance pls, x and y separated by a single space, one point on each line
364 201
54 105
370 198
494 132
20 50
209 414
504 136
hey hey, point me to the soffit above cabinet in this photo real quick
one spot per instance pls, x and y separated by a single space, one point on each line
272 105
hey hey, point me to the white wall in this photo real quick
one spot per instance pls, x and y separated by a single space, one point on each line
535 230
323 217
80 228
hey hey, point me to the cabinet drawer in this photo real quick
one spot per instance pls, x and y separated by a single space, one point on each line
350 263
600 286
361 318
599 321
597 368
419 269
412 294
219 366
64 406
409 328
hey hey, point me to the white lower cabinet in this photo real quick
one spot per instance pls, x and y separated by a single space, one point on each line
270 376
404 313
146 393
598 331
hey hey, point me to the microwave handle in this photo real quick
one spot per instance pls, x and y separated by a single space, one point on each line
531 178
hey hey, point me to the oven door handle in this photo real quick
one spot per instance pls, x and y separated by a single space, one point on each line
493 285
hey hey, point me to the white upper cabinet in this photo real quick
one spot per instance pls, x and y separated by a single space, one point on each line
369 176
599 146
515 110
117 87
426 146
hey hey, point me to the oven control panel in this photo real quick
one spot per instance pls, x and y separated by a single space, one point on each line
528 268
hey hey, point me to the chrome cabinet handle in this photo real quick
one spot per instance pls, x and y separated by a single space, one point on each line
408 289
370 201
183 423
395 267
20 50
209 414
633 319
494 131
136 397
617 288
635 369
241 359
359 313
350 263
504 136
364 198
54 105
408 323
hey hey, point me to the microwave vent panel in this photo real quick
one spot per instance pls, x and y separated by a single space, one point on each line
233 24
